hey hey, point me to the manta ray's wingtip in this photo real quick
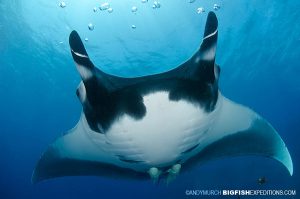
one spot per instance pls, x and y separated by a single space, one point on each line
38 174
34 179
290 166
285 158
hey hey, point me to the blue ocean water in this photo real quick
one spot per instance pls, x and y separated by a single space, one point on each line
258 52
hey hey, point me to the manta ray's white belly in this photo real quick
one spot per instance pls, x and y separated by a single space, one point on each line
161 137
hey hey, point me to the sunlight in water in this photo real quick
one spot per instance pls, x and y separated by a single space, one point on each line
141 36
258 52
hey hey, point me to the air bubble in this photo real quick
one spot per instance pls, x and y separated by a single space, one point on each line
216 7
133 27
144 1
62 4
110 10
134 9
104 6
95 9
156 5
91 26
200 10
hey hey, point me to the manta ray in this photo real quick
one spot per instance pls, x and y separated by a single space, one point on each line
156 126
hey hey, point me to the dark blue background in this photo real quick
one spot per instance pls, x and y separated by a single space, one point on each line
258 51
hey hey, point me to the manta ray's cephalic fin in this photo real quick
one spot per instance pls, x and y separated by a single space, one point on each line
202 64
200 67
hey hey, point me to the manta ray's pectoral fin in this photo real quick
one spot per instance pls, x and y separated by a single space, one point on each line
75 154
240 131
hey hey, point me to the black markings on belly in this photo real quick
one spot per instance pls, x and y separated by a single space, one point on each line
190 149
125 159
